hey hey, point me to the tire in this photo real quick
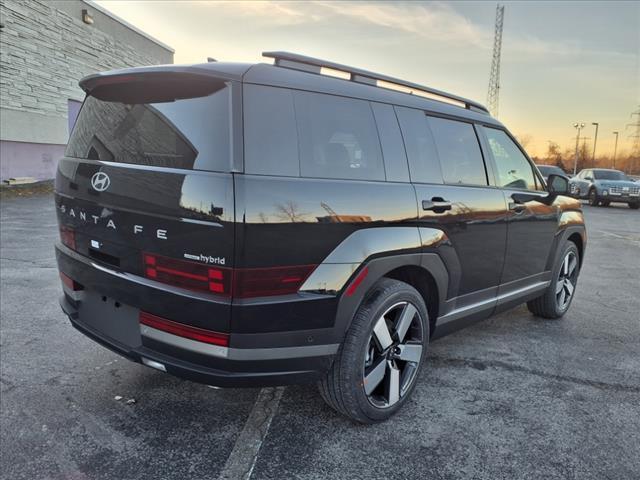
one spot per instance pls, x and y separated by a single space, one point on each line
605 203
369 380
634 205
594 201
553 303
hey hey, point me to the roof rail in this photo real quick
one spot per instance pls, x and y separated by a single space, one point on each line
318 66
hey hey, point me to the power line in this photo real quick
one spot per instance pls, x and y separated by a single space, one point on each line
635 150
636 135
494 76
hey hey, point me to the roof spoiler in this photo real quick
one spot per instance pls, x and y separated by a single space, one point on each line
126 75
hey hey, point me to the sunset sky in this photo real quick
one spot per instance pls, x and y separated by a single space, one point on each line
562 62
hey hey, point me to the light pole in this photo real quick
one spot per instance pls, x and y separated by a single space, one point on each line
615 149
578 126
595 140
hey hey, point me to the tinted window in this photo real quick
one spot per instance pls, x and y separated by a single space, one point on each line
337 137
395 159
191 133
421 150
270 134
459 152
513 168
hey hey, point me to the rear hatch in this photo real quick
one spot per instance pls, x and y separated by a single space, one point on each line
146 189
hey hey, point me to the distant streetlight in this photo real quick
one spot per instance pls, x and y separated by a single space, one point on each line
578 126
595 140
615 149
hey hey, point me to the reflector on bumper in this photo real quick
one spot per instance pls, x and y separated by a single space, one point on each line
184 336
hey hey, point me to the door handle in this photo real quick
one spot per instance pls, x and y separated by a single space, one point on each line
519 200
436 205
517 207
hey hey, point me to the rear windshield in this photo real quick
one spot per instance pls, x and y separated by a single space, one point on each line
163 131
609 175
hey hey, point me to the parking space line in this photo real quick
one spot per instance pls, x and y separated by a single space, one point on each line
628 238
242 459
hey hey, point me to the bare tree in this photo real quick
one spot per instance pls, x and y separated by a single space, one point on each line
289 212
554 156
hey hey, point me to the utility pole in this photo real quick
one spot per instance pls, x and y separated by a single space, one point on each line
579 126
635 151
615 149
494 76
595 140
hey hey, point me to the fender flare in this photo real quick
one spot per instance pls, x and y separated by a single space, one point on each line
376 269
381 250
570 222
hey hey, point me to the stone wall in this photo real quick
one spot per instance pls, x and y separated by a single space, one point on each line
45 48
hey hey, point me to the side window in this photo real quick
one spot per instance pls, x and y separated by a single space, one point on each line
395 159
338 138
459 152
270 135
513 168
421 149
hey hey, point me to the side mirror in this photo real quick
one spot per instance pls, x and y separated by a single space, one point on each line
558 185
588 178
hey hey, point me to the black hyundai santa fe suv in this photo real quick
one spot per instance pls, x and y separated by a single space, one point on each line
249 225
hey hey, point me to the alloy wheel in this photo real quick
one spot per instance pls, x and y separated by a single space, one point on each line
566 282
394 352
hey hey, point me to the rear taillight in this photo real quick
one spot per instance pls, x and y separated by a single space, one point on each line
185 331
190 275
243 283
264 282
68 237
70 282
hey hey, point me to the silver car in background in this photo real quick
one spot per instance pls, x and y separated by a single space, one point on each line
601 186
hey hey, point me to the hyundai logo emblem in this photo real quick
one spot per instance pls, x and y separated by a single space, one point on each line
100 181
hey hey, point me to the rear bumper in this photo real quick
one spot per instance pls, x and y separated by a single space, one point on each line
110 316
213 371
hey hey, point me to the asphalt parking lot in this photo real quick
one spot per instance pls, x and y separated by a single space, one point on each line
513 397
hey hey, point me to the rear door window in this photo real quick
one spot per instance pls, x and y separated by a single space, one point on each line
395 158
337 138
459 152
421 149
166 131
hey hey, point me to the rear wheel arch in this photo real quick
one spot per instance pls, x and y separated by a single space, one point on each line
576 238
426 272
423 281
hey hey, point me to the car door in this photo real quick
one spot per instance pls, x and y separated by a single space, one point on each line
584 182
531 224
453 193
